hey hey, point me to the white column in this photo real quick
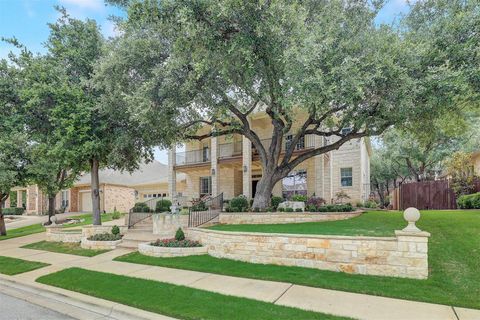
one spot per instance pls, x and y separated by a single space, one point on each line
319 170
214 166
247 167
172 175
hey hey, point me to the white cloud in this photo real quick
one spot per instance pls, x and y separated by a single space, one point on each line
109 29
28 9
85 4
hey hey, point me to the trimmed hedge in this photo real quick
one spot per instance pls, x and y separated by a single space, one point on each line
163 205
469 201
141 207
336 208
13 211
238 204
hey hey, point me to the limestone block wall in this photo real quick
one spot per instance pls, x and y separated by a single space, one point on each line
88 231
279 218
58 234
405 255
165 225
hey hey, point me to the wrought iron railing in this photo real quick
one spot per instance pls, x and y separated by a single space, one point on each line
213 208
227 150
136 217
192 157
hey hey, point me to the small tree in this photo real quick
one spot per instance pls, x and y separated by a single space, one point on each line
460 169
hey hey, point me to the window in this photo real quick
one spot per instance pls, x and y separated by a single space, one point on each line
346 177
64 198
205 154
205 186
300 144
346 131
294 183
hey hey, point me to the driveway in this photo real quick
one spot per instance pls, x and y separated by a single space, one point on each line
17 309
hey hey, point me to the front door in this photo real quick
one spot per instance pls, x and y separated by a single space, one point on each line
254 187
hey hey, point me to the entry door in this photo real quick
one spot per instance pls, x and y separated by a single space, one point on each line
254 187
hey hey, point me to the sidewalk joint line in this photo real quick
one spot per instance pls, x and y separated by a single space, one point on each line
283 293
455 313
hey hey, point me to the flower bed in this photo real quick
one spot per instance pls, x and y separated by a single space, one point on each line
172 248
105 237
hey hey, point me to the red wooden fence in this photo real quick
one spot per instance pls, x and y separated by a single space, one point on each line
426 195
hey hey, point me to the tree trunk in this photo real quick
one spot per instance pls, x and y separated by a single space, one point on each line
95 186
3 228
51 208
264 192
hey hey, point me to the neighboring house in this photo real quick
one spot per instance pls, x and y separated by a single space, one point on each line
231 165
118 190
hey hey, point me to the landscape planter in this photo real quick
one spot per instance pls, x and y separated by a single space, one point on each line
58 234
99 245
284 217
156 251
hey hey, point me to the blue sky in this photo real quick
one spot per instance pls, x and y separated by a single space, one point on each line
27 21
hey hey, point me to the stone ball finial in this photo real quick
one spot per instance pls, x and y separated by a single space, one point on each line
411 215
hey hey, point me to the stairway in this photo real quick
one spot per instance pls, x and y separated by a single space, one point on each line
140 233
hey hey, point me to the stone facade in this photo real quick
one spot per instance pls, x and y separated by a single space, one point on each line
165 225
278 218
119 197
155 251
58 234
405 255
99 245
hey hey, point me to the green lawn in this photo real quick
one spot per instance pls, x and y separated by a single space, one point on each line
12 266
37 228
171 300
61 247
23 231
454 258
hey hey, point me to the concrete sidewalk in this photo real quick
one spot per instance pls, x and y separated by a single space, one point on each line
358 306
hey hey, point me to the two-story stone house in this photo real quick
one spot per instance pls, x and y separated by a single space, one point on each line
230 164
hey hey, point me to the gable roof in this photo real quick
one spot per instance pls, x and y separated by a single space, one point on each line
149 173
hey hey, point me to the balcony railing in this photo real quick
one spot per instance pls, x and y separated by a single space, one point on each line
306 142
228 150
192 157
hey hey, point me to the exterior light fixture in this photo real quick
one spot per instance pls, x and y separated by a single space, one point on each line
213 171
245 168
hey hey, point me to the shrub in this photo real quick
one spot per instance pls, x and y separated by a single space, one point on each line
275 201
141 207
299 197
238 204
281 209
163 205
288 209
359 204
336 208
341 196
270 209
179 235
298 210
173 243
199 205
13 211
315 202
116 214
370 204
470 201
115 230
105 237
311 208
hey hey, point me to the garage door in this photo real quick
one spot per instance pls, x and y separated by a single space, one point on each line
86 202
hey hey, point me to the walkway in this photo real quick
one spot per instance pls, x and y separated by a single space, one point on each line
358 306
25 220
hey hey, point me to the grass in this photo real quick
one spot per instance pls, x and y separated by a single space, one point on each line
23 231
454 259
37 228
171 300
63 247
12 266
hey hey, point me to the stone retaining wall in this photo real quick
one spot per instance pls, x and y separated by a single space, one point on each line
405 255
58 234
99 245
165 224
280 218
88 231
155 251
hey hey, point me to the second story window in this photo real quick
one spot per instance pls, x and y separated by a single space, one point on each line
346 131
294 183
205 154
64 198
205 186
300 144
346 177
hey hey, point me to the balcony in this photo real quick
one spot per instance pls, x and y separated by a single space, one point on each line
305 143
230 150
193 157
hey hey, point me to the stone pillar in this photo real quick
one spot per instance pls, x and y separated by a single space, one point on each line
19 198
247 167
319 170
214 172
331 177
172 174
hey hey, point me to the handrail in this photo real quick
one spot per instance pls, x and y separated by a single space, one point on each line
193 156
214 208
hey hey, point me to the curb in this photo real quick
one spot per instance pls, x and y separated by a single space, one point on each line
73 304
